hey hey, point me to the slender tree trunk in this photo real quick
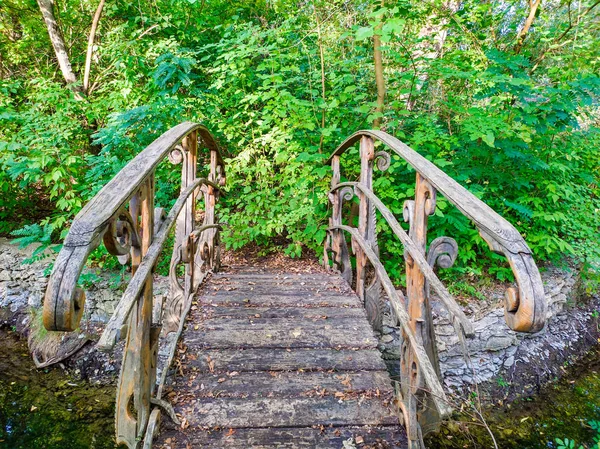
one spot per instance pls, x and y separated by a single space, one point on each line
58 44
90 46
533 6
322 55
379 80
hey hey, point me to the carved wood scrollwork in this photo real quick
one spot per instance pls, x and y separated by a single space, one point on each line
122 236
523 310
335 243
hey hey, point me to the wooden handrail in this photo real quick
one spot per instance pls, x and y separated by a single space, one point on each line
123 216
461 323
525 307
64 300
111 333
96 214
428 372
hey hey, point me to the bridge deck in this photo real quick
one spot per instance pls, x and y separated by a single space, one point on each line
280 360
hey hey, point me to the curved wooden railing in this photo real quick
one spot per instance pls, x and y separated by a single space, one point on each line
123 216
421 398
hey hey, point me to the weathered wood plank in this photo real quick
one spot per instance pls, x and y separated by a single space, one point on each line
270 275
285 384
280 287
262 359
297 412
282 363
289 300
390 437
282 333
310 314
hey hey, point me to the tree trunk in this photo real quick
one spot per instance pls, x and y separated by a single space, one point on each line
59 45
322 57
90 47
533 6
379 80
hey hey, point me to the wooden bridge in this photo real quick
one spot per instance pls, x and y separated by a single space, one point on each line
270 359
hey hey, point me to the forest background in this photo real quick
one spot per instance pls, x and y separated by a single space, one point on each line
502 95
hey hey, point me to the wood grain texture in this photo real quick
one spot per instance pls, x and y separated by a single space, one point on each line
256 359
389 437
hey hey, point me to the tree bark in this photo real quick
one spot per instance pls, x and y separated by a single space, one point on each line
58 44
90 47
379 80
533 6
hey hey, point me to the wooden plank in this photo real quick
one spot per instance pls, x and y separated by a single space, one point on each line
282 333
390 437
283 280
283 285
287 412
283 360
285 324
266 275
311 314
283 384
251 300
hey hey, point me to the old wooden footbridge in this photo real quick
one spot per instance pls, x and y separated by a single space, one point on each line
276 359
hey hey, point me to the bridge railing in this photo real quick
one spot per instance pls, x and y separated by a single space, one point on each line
123 216
421 398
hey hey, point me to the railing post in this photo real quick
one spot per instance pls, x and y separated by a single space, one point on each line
416 213
187 154
208 254
369 292
339 247
136 381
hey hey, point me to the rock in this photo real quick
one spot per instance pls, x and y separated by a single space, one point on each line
498 343
35 300
387 339
510 361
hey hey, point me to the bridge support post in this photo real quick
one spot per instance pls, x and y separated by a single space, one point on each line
368 285
337 244
419 308
138 370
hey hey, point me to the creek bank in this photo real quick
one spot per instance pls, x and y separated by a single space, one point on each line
22 288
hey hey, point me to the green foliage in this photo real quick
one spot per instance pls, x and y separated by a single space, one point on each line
519 129
36 235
